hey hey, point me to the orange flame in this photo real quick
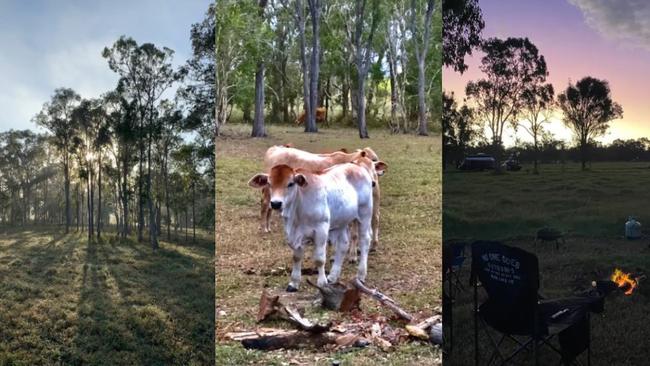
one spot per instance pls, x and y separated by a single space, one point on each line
623 280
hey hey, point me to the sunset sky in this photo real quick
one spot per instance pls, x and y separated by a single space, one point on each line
606 39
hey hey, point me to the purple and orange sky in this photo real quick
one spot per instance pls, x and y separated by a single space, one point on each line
606 39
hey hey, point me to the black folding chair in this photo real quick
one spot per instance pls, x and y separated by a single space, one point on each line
456 267
510 278
453 257
447 301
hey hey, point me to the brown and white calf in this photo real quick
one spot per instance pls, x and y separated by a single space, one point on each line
376 169
300 159
320 207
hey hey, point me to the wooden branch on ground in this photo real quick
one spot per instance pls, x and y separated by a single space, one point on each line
271 305
272 339
383 299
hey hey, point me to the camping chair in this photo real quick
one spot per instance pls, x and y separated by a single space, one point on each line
453 257
510 278
458 258
447 301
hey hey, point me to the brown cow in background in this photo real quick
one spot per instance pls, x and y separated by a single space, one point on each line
321 116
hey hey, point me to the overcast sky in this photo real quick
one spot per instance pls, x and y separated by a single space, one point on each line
45 45
606 39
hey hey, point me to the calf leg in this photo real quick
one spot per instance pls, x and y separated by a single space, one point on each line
320 254
340 240
265 223
375 217
294 284
354 233
364 245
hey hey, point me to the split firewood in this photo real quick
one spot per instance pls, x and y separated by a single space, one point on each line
271 305
383 299
305 324
338 297
421 329
268 305
265 332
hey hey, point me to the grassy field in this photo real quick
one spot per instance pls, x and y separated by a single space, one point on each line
66 301
406 265
591 207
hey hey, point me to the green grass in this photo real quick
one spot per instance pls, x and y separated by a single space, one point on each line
591 207
66 301
406 265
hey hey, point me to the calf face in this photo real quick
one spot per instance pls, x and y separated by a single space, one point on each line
282 182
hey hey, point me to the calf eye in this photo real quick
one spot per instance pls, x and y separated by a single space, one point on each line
291 184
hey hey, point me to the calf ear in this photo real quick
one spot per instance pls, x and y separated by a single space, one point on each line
344 150
259 181
380 167
363 153
300 180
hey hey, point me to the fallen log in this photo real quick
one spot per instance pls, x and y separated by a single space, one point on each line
383 299
272 339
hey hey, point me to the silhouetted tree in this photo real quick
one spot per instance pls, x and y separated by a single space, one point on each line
588 108
538 102
462 26
459 129
56 116
510 66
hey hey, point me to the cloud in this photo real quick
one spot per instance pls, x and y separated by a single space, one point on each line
47 45
624 20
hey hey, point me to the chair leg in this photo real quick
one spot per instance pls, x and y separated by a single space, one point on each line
476 355
588 340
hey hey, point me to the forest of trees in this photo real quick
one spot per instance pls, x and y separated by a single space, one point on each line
514 94
133 160
368 62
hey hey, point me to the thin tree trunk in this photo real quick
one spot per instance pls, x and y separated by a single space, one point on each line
140 193
314 9
193 212
361 107
153 231
99 197
258 119
422 105
187 224
125 198
66 177
345 95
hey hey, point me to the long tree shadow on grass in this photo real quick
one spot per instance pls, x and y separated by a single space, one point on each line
150 308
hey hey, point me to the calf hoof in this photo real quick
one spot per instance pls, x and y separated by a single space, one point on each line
290 288
352 260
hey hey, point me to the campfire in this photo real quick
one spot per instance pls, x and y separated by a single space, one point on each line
626 282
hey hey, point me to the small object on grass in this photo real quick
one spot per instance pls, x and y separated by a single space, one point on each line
632 229
550 234
436 333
